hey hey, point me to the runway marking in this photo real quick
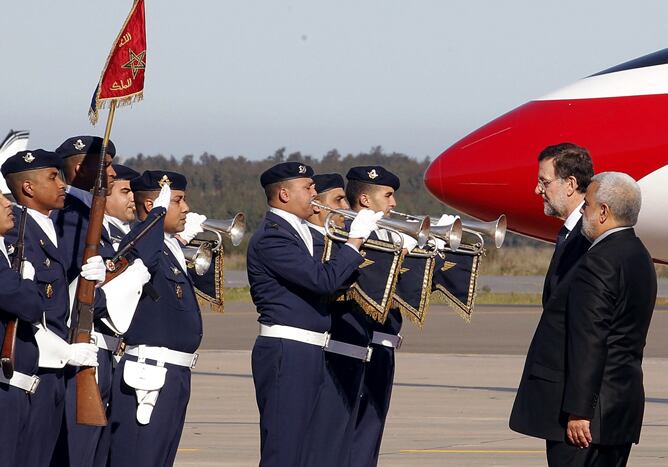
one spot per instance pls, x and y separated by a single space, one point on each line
470 451
187 450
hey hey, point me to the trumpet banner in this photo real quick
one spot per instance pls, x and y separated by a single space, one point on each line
413 289
455 278
376 278
209 287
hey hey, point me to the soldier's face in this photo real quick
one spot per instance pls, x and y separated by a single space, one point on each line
381 199
45 189
334 198
175 219
6 215
121 201
298 195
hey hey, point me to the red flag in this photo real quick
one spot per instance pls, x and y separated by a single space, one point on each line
122 78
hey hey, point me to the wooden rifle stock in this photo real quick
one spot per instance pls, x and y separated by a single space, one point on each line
8 354
89 407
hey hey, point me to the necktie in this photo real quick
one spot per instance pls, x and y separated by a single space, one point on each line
563 232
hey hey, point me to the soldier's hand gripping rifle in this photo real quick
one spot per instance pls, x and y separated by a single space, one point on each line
8 355
89 407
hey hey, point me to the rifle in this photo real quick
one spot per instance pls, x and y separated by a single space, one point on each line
119 262
89 407
8 355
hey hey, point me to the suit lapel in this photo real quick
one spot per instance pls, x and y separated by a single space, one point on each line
271 217
551 276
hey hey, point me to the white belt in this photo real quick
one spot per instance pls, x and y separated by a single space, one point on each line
22 381
387 340
162 355
320 339
106 342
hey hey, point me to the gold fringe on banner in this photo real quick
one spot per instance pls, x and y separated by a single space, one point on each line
419 315
121 102
464 310
215 304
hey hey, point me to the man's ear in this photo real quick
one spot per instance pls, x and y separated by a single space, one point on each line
283 194
27 188
572 185
364 200
604 214
148 204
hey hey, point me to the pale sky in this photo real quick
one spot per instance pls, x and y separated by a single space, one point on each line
250 76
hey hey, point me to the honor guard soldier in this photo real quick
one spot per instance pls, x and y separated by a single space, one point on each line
289 287
373 187
34 180
151 385
114 302
120 209
20 303
339 400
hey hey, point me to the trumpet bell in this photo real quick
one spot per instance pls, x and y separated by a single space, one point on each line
233 228
495 229
199 257
451 234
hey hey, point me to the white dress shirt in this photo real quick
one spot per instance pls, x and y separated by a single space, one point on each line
175 247
46 224
573 219
317 228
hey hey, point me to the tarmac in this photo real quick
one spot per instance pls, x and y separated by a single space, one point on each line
454 388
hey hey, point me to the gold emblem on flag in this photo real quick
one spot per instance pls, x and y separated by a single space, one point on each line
448 265
29 158
372 174
164 181
79 145
48 290
137 62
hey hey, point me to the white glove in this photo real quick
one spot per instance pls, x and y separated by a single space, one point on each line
409 242
94 270
28 271
83 355
364 223
446 219
193 226
164 198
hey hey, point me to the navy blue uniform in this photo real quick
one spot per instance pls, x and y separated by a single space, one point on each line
289 287
48 403
20 299
78 443
173 321
330 439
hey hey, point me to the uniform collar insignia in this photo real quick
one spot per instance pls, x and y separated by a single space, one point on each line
28 158
372 174
79 145
164 181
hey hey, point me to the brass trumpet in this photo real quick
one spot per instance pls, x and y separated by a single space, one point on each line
214 229
417 228
495 229
451 234
199 256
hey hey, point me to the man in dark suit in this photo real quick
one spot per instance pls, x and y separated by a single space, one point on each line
564 172
609 308
289 287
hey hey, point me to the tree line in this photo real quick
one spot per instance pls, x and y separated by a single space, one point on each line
221 187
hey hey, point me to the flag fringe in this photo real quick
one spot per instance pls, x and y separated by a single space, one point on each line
93 115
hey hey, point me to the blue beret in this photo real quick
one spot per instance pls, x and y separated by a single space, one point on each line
124 173
77 145
374 175
285 171
324 182
153 180
30 160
